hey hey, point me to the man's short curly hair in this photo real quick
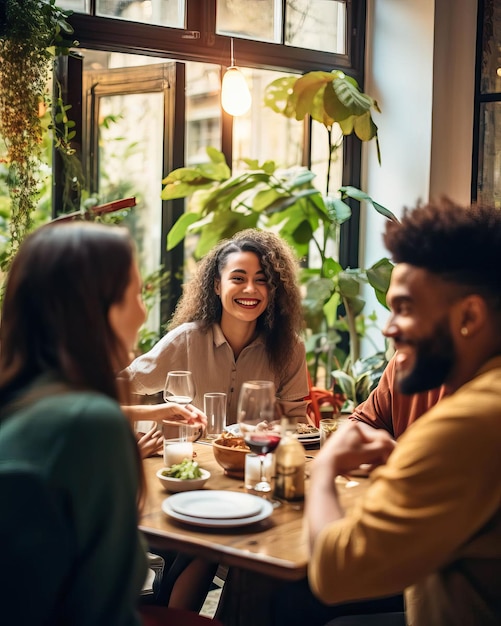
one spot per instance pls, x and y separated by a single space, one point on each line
282 321
461 245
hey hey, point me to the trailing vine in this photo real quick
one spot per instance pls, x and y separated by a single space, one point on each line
32 34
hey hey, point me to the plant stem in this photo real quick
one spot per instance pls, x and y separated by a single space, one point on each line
352 330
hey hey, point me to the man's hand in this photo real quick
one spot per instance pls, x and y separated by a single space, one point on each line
351 446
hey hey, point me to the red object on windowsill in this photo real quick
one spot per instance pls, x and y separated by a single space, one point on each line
100 209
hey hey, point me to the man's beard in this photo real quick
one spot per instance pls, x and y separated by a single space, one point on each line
435 357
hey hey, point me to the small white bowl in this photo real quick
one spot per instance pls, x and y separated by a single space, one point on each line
178 484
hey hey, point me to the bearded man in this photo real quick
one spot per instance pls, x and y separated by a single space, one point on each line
430 523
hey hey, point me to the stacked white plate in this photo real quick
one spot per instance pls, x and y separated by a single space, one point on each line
217 509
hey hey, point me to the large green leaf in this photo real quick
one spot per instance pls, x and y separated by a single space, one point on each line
364 127
178 232
318 110
339 211
319 289
355 304
226 192
379 275
183 189
331 308
333 105
358 194
278 95
349 285
223 225
296 200
349 94
302 177
331 267
306 88
267 198
303 233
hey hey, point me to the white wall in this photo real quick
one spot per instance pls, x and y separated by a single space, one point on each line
420 68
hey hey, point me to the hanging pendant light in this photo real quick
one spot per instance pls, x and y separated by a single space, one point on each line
235 94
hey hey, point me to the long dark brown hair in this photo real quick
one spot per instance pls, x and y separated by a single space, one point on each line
59 290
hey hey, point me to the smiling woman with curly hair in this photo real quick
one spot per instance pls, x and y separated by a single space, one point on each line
238 319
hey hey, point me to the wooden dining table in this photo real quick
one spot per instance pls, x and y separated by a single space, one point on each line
260 556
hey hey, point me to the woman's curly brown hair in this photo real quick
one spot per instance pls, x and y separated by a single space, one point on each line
283 318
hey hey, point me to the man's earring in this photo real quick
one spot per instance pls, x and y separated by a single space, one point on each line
464 331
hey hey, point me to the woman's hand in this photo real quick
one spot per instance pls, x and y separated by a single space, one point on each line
178 412
150 443
165 411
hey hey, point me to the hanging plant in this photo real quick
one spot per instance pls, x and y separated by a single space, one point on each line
32 33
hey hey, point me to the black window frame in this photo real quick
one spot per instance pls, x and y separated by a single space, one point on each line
199 42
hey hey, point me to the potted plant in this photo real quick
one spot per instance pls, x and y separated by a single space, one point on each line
286 200
32 33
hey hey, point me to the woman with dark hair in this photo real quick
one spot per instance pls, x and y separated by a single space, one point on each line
70 473
239 318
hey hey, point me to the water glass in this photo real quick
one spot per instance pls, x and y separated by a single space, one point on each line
178 441
215 409
326 427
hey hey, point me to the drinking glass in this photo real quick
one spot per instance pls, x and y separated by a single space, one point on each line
256 418
179 387
215 409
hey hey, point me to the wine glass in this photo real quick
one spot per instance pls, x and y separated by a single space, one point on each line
179 388
256 413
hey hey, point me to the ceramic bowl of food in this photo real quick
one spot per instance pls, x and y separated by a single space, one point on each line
230 452
174 485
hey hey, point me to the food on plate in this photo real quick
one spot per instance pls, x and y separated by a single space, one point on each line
186 470
306 429
229 440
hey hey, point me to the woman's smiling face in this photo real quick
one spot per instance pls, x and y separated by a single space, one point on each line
242 287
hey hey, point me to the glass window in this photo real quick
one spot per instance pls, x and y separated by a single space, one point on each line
309 24
203 111
489 166
160 12
255 20
491 48
79 6
263 134
316 24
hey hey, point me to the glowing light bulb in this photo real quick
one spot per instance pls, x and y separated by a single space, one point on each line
235 94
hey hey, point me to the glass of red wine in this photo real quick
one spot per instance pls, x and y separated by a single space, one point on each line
256 418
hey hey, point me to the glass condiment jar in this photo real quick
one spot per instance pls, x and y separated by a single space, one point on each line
289 463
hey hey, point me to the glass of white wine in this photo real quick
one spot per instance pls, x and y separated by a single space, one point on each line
179 387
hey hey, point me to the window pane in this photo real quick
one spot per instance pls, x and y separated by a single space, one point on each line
79 6
316 25
159 12
263 134
491 50
257 19
203 111
489 167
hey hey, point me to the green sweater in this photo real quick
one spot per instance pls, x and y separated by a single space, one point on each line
70 549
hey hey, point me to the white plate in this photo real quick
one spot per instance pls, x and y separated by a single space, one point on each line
266 511
217 504
313 437
308 440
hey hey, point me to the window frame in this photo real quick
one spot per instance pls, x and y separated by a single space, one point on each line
480 99
199 42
